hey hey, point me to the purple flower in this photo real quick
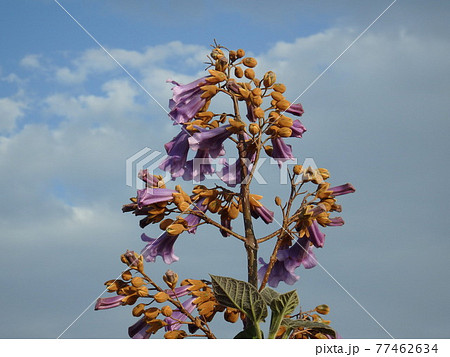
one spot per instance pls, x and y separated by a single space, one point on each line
258 210
150 180
336 221
342 189
139 329
250 112
177 150
162 246
197 168
172 323
226 222
281 151
315 235
232 174
179 291
148 196
289 259
211 140
109 302
186 100
192 219
297 129
295 109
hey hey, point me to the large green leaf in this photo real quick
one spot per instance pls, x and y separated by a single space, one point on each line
249 333
240 295
317 326
281 306
269 294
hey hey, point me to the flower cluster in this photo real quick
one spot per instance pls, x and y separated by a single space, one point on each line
270 120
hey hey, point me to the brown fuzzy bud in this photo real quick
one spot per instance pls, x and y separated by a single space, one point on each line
257 92
233 211
170 278
161 297
231 315
175 335
214 206
283 104
268 149
253 128
324 173
142 291
232 55
249 73
285 122
152 313
126 275
256 100
216 53
244 92
240 53
137 281
259 112
166 311
221 64
322 309
217 76
238 72
298 169
184 206
175 229
277 96
279 87
320 336
278 201
284 132
269 79
138 310
249 62
166 223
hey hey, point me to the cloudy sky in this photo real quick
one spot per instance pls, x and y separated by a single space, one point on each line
70 117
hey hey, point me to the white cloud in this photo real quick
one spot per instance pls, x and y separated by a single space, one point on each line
10 111
31 61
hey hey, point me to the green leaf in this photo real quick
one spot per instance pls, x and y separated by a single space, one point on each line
240 295
249 333
317 326
281 306
268 295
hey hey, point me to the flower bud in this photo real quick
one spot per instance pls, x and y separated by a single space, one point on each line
257 92
231 315
166 223
216 53
238 72
277 96
269 150
249 62
285 122
126 275
170 278
152 313
283 104
253 128
232 55
259 112
324 173
142 291
240 53
175 229
138 310
298 169
269 79
279 87
166 311
175 335
249 73
161 297
320 336
184 206
233 211
322 309
284 132
137 281
256 100
278 201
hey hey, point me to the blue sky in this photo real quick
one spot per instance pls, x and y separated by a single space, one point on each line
70 117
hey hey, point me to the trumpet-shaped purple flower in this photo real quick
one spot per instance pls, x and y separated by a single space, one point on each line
295 109
226 222
281 151
197 168
192 219
179 291
289 259
162 246
336 221
177 150
232 174
150 180
211 140
148 196
297 129
186 100
251 113
139 329
172 322
262 212
109 302
342 189
315 235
